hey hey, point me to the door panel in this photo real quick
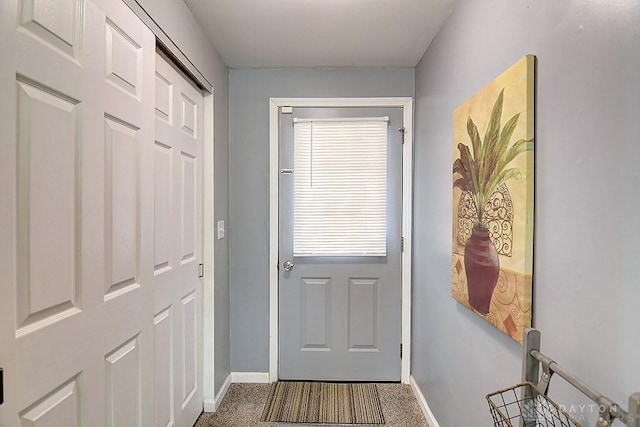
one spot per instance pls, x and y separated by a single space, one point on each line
340 316
178 245
124 400
59 408
164 368
76 318
164 233
189 350
189 206
48 149
122 206
315 306
363 314
55 22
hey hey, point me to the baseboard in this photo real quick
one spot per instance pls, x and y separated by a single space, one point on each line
431 420
250 377
212 405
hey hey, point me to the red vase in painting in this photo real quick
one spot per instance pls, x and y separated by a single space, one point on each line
482 266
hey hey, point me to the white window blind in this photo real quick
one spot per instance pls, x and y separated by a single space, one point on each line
340 187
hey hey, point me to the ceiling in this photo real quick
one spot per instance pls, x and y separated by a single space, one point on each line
321 33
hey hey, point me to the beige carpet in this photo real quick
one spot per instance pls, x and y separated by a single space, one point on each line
243 405
323 403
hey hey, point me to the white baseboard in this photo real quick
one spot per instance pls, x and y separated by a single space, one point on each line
250 377
431 420
209 405
212 405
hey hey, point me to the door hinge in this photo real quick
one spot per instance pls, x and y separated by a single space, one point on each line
402 130
400 351
201 273
401 244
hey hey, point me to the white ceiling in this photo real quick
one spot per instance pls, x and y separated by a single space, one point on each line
321 33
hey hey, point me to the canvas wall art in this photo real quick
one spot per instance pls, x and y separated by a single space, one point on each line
493 166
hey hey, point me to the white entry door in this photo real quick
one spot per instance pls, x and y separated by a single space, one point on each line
77 337
178 247
340 244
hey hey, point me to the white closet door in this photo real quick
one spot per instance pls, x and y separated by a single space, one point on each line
178 247
76 202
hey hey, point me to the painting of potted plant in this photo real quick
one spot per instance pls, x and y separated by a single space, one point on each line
490 216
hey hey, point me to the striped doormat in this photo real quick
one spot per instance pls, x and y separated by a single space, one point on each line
323 403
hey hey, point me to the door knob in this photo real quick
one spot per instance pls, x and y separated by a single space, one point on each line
288 266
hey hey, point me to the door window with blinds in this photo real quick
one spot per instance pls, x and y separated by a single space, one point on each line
340 187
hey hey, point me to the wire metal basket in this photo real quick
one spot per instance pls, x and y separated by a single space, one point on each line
523 406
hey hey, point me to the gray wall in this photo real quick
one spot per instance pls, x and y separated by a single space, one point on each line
178 22
587 233
249 185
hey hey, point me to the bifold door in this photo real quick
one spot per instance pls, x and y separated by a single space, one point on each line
84 334
178 247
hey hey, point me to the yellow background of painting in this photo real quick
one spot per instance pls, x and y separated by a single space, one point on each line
518 84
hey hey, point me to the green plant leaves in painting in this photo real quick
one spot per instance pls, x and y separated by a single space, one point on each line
483 168
493 129
472 129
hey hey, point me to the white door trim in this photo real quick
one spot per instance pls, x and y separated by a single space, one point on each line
407 208
208 254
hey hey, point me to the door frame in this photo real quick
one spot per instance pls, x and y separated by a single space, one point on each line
406 103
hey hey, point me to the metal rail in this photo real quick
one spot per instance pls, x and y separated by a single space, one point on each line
609 410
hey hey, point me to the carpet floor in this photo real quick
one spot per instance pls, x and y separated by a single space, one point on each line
243 405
